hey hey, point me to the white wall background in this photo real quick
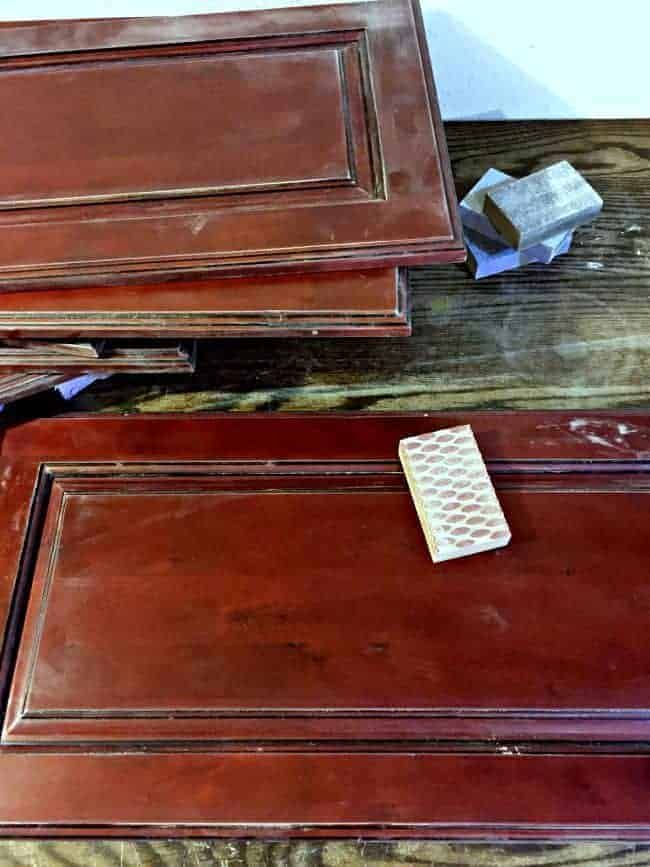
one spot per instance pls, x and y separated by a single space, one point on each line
492 58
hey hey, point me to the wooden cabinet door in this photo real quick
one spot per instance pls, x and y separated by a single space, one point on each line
371 303
233 622
302 139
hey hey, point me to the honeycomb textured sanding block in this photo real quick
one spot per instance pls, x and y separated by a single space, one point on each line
453 494
555 199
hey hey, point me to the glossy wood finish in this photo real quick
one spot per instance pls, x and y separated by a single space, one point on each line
312 794
302 139
371 303
177 588
203 597
10 349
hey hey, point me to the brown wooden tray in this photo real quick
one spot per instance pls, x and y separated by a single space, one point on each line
225 624
294 139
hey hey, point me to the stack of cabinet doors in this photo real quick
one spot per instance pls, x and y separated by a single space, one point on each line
168 179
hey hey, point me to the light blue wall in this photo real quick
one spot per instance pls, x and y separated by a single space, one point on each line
492 58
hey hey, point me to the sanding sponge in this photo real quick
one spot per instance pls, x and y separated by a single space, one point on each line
453 495
486 257
476 222
555 199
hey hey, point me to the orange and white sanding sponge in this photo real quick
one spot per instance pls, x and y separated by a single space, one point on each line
453 494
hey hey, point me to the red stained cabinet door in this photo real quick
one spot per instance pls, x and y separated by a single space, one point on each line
372 303
239 614
302 139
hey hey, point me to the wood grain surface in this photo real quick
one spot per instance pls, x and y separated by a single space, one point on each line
575 334
314 853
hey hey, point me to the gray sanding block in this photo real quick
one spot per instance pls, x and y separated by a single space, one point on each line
475 220
555 199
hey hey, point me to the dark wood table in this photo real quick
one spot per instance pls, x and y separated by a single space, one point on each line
573 335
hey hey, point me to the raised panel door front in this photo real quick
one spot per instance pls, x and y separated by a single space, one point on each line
219 625
297 139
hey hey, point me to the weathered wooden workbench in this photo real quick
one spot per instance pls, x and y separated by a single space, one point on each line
572 335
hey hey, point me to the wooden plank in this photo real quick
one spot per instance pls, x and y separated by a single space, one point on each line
161 159
370 303
115 358
316 794
28 348
18 385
